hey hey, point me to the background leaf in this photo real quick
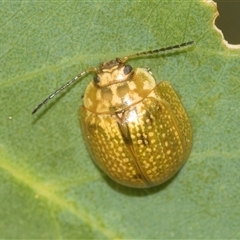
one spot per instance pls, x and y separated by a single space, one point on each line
49 186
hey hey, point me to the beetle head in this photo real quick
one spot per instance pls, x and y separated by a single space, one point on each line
112 72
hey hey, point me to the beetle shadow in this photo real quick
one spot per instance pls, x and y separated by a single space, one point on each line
137 192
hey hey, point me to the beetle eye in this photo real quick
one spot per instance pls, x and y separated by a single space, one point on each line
96 79
127 69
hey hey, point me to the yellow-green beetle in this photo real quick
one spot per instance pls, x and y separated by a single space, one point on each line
137 131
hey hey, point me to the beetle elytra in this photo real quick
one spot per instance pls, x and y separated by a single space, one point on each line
137 131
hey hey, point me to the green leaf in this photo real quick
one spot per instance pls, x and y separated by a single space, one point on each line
50 188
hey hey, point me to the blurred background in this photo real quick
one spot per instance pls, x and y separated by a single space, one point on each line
228 20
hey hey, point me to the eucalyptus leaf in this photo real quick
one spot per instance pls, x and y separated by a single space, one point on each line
50 188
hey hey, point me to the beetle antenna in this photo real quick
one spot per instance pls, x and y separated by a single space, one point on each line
80 75
124 59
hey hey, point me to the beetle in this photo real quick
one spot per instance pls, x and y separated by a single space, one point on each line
137 131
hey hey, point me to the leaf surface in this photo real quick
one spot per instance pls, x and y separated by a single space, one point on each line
50 188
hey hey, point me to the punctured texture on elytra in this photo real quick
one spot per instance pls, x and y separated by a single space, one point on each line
141 144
